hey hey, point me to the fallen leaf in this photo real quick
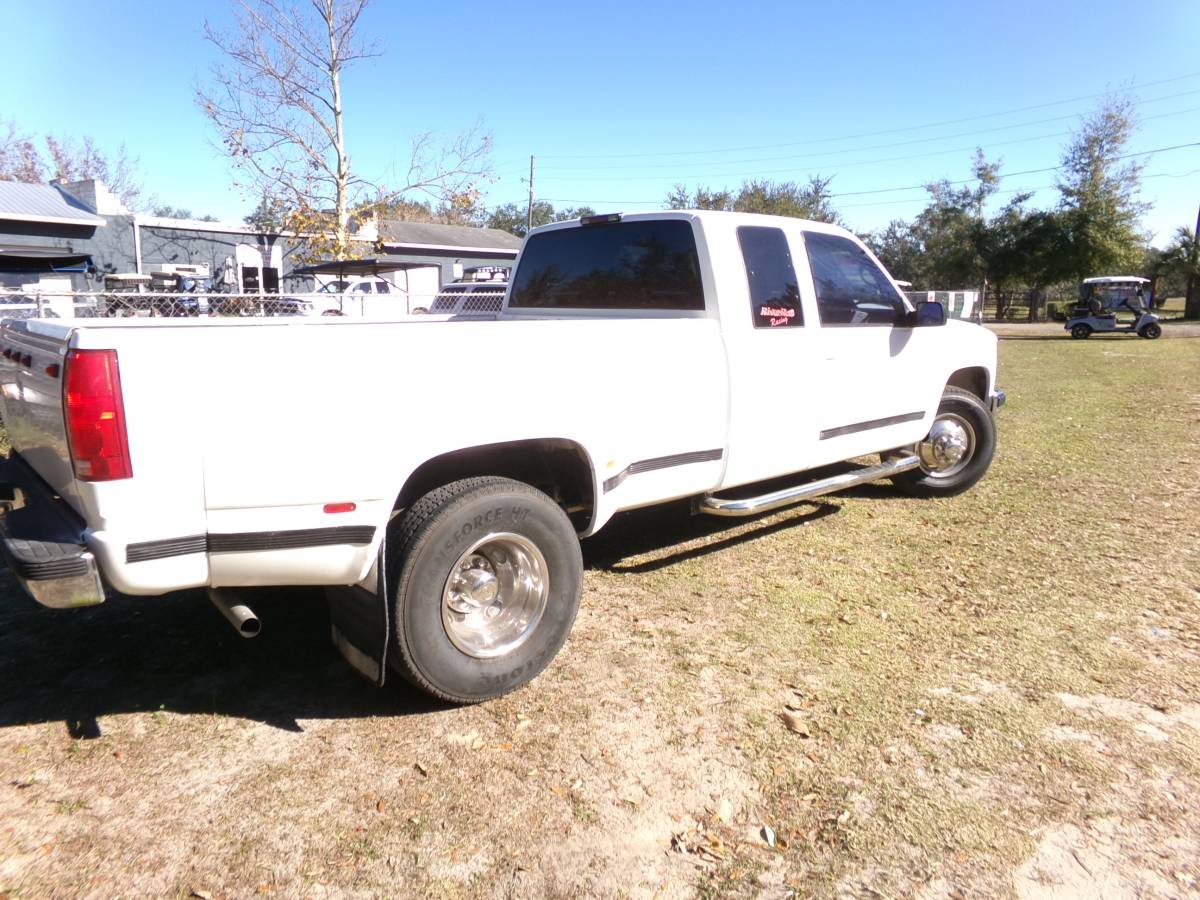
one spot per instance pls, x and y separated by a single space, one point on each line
794 723
768 835
379 806
420 768
201 895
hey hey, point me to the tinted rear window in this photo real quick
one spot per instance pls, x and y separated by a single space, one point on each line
625 265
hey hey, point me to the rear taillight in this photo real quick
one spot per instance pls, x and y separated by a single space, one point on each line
95 415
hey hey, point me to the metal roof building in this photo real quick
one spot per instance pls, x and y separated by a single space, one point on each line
43 204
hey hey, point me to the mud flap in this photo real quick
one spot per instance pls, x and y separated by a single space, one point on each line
361 622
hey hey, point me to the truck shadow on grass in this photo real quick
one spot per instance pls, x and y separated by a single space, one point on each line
658 530
176 653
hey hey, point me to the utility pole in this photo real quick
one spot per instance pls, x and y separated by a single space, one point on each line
529 209
1191 302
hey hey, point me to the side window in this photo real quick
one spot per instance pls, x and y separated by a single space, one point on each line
851 289
381 287
774 289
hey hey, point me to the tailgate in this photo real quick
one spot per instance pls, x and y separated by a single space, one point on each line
31 399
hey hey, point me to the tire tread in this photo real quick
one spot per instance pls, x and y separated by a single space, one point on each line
411 532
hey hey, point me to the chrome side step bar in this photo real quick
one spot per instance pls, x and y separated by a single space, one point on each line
749 506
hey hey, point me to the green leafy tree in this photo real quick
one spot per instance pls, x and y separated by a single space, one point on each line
902 252
952 228
512 217
1182 258
1099 191
167 211
808 201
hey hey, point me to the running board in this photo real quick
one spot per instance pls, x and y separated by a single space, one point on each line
749 506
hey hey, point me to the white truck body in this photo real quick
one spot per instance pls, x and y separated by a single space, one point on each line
277 451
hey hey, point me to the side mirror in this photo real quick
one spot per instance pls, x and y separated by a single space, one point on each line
929 312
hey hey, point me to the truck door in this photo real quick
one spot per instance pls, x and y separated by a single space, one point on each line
868 399
772 364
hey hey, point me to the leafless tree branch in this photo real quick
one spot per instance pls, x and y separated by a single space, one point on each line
277 106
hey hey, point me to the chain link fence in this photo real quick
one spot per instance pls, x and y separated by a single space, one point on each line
455 299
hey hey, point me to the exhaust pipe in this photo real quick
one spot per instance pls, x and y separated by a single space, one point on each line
240 616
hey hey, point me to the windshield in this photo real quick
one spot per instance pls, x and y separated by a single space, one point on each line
334 287
1112 294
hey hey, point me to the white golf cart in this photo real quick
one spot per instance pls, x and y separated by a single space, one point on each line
1103 300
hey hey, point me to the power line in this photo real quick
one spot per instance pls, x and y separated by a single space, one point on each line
913 187
924 140
1022 190
865 134
864 162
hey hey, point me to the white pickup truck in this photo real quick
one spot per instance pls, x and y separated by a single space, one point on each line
637 359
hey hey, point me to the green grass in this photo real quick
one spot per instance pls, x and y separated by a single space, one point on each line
923 645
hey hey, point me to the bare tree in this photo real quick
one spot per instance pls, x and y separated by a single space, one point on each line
75 161
278 107
19 157
66 159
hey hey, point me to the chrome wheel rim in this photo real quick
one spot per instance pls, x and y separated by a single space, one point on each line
948 447
495 595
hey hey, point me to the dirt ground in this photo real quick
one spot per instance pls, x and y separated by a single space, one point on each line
870 696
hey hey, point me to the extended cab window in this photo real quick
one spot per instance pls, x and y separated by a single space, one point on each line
851 289
623 265
774 289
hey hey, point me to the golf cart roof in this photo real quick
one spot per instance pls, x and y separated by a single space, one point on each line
1117 279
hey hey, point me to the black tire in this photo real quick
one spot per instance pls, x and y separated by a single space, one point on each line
965 410
1081 331
1151 332
425 548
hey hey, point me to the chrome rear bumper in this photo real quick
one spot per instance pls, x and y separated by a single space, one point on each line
41 540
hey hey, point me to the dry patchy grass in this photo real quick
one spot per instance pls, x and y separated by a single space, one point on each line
996 694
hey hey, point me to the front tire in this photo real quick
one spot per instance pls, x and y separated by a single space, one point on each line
957 451
1152 331
488 573
1081 331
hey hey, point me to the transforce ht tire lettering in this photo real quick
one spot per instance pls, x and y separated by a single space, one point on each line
486 587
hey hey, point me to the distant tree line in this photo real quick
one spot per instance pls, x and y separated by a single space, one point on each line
955 242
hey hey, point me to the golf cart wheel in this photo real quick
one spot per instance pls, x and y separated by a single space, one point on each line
1081 331
486 584
1151 331
957 451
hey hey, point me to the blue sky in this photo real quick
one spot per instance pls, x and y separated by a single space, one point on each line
621 100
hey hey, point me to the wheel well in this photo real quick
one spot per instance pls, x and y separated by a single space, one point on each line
557 467
974 380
